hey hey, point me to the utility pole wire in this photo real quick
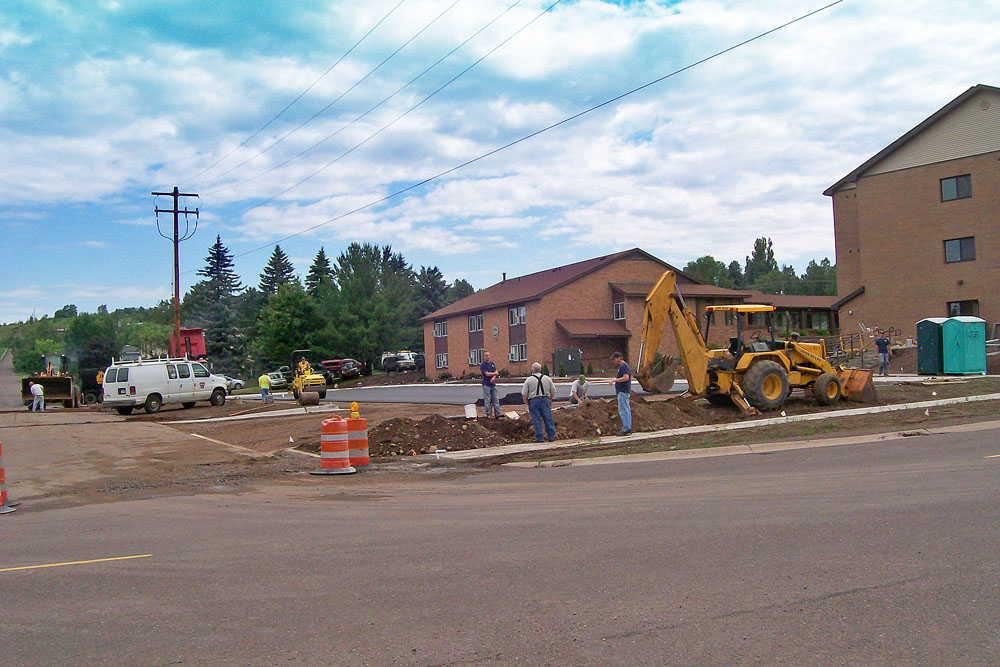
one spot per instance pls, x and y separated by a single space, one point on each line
299 97
373 108
402 115
541 131
339 97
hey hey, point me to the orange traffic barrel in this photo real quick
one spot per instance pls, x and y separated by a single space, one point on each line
6 505
335 457
357 439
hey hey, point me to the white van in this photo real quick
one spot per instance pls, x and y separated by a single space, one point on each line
152 382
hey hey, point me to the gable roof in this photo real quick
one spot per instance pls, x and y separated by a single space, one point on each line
535 285
906 138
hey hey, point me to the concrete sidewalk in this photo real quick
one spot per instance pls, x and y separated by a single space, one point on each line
493 452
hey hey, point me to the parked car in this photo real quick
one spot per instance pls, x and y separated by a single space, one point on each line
232 384
350 368
278 380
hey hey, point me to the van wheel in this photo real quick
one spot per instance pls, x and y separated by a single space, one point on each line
127 410
188 405
766 385
218 397
153 403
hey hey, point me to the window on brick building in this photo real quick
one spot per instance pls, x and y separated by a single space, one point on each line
441 360
518 352
619 310
960 308
960 250
956 187
441 329
517 315
476 357
475 323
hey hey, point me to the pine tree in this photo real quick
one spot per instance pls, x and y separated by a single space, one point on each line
760 262
218 271
320 274
433 290
279 271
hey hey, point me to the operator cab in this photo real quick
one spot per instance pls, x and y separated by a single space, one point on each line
736 344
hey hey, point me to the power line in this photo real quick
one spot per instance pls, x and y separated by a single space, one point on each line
339 97
398 118
374 107
541 131
299 97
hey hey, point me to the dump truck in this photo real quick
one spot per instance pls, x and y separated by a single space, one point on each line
755 375
55 380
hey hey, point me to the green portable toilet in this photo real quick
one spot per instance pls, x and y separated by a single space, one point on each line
930 357
964 345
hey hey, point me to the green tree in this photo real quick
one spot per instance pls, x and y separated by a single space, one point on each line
278 271
69 310
783 281
432 290
459 290
212 304
320 276
735 271
820 279
708 270
288 322
219 270
94 339
760 262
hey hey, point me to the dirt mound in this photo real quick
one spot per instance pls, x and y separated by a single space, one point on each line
403 436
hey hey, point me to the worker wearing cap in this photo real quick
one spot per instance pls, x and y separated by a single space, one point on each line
303 366
623 390
38 397
578 390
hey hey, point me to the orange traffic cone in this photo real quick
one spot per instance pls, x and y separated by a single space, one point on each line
357 439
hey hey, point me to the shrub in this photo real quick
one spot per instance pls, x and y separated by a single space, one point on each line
445 375
475 376
590 368
561 370
545 369
504 373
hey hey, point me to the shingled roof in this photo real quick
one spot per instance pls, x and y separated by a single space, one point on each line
535 285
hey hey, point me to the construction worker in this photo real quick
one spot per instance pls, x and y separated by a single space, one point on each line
304 366
38 397
265 387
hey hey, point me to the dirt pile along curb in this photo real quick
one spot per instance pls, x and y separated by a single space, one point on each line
403 436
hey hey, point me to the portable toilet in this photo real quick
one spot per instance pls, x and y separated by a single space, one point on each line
964 345
930 357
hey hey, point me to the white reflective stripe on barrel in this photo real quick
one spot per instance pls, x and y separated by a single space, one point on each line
333 455
333 437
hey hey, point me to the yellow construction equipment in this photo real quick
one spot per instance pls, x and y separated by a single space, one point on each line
755 375
305 380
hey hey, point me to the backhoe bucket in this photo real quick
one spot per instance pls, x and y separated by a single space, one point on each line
664 381
857 386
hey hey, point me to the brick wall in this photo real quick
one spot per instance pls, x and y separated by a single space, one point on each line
901 227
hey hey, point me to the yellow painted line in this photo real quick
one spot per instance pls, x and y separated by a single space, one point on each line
73 562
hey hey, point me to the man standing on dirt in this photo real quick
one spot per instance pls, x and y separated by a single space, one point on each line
38 397
623 390
538 391
882 343
488 369
265 387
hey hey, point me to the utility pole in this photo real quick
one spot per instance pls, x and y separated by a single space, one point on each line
177 238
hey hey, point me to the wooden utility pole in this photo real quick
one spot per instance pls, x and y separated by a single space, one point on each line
177 238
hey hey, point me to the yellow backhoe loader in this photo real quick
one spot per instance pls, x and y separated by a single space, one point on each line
755 375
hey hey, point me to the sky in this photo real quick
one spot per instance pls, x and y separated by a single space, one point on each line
320 123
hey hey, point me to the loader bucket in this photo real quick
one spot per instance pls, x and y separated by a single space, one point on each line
857 385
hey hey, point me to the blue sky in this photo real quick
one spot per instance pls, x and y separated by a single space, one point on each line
103 102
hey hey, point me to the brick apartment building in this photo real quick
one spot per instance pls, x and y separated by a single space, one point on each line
918 225
595 306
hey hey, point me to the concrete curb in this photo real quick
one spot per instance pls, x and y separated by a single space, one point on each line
492 452
330 407
759 448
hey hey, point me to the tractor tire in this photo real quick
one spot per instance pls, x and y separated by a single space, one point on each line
126 410
765 385
89 398
153 403
719 399
827 389
218 397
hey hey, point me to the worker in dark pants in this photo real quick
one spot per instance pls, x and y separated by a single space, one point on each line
882 343
538 391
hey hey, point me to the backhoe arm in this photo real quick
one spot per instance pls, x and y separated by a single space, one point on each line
664 305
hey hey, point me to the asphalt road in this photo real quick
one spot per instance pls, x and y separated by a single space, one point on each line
862 554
